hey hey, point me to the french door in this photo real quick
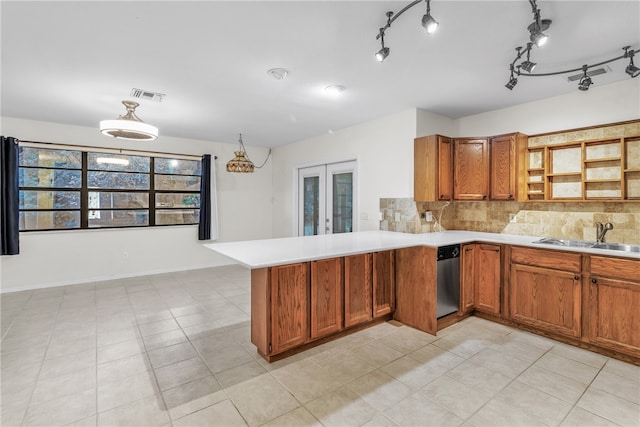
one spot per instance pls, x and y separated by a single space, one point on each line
327 199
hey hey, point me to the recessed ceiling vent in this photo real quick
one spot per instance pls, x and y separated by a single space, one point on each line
148 95
590 73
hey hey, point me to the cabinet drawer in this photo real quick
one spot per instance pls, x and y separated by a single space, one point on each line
628 269
558 260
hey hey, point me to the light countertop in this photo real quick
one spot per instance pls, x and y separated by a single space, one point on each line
289 250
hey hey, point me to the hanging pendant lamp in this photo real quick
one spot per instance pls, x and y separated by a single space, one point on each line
129 126
240 163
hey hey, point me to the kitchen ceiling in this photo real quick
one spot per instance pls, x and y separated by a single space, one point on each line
74 62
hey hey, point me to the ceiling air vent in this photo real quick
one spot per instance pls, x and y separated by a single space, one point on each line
148 95
590 73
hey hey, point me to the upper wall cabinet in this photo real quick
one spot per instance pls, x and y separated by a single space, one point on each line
603 169
471 169
432 168
504 165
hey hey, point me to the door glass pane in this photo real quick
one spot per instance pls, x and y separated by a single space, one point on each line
342 202
311 209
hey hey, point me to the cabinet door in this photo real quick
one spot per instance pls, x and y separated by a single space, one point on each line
289 306
503 168
471 169
546 298
326 297
467 277
432 168
357 289
488 278
445 168
383 283
614 314
416 288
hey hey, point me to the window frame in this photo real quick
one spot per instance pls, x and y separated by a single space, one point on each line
84 189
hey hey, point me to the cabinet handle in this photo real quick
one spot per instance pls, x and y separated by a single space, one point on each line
576 277
497 250
511 196
484 196
467 249
594 281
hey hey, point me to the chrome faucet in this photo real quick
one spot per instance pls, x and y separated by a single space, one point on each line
601 230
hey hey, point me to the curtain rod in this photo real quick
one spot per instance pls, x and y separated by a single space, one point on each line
38 144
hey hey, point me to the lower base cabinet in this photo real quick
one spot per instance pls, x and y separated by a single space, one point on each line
280 307
614 304
294 305
416 288
326 297
545 290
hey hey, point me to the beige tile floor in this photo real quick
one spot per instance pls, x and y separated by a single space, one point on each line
174 349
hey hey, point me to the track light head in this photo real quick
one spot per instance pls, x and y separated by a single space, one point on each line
585 81
536 28
382 54
631 69
528 66
429 24
511 83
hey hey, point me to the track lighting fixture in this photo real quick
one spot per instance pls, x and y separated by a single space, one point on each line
631 69
429 24
585 81
519 66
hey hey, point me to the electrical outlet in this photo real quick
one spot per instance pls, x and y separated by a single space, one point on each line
428 216
397 217
512 218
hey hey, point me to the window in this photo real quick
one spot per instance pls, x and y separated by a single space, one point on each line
70 189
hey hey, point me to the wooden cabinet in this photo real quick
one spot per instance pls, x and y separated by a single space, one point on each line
599 169
504 165
357 289
326 297
416 288
384 274
279 307
481 278
488 277
432 168
614 304
467 277
471 169
545 290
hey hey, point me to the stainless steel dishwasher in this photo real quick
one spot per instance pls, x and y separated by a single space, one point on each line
448 280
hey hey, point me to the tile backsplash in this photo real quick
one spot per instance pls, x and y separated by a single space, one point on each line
566 220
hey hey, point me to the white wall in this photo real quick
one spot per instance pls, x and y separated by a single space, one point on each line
384 150
65 257
611 103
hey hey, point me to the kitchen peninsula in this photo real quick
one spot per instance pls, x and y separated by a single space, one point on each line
308 290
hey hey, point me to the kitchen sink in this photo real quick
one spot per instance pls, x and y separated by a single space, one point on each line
587 244
618 247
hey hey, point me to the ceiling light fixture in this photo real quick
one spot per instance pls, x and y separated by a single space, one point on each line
631 69
429 24
241 162
585 81
538 38
129 126
278 73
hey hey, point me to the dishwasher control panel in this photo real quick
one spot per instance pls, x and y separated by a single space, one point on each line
448 252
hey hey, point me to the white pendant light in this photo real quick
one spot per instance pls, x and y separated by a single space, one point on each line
129 126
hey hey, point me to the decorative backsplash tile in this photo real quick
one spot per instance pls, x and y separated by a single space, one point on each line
566 220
